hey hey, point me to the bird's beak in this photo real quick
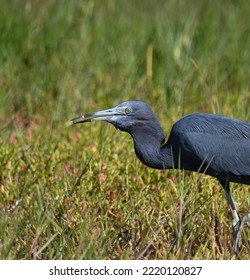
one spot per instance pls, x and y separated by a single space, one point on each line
105 115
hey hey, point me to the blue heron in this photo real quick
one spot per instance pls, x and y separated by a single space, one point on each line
206 143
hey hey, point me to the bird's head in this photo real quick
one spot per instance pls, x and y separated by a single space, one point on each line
136 118
127 116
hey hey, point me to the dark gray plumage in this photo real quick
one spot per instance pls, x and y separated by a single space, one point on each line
212 144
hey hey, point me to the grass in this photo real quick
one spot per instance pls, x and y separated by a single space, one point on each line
80 192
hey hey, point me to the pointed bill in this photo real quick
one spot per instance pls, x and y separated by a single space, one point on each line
105 115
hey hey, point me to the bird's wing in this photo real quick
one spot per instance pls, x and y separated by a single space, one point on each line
223 155
221 143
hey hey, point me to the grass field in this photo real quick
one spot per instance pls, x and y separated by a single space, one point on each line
80 192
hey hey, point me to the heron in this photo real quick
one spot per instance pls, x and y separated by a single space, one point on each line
212 144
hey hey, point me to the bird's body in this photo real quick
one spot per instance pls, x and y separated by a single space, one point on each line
207 143
219 146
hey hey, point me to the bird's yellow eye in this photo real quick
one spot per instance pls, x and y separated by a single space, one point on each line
128 110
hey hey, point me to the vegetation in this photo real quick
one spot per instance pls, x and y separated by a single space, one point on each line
80 192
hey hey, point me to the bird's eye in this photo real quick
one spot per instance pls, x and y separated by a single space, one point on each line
128 110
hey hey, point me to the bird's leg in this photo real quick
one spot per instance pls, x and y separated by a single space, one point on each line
246 219
236 218
237 224
237 229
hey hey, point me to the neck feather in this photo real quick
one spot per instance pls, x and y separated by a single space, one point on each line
148 147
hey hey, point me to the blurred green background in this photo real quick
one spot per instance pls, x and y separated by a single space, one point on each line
79 192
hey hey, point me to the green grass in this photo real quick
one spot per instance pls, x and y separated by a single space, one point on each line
80 192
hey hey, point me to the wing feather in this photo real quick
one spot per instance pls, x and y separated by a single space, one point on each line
220 144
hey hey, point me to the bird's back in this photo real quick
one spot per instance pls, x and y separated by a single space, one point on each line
213 144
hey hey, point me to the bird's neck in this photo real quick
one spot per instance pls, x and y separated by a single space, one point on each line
148 148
